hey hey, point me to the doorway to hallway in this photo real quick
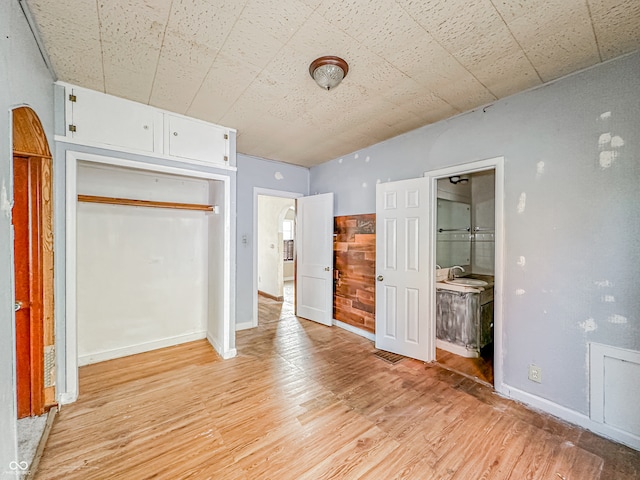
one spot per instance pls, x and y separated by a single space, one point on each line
275 240
271 310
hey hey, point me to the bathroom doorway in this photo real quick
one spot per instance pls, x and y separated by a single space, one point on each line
465 252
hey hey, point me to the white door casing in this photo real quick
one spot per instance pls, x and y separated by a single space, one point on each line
402 262
314 258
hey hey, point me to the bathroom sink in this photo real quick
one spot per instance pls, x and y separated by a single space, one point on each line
467 282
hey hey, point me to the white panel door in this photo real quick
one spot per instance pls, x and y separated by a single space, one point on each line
402 265
314 258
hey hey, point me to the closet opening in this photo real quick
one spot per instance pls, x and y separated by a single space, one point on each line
148 260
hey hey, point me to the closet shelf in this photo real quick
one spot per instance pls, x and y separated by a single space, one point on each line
144 203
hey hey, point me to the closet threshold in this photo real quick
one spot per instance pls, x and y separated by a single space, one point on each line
144 203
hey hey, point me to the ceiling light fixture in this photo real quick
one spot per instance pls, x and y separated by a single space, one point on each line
328 71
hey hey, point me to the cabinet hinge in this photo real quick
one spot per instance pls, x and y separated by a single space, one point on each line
72 128
72 97
226 159
226 137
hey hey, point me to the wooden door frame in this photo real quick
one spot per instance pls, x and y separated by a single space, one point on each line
30 144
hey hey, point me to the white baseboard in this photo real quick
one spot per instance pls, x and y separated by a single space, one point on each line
67 398
138 348
232 352
244 326
571 416
456 349
356 330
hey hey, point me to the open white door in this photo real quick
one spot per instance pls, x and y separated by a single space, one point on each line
402 263
314 258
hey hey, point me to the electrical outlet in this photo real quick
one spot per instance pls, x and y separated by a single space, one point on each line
535 373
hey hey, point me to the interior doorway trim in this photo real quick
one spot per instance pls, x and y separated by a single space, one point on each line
30 145
257 191
71 387
496 164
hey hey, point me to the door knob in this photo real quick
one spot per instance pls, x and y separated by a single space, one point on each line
327 269
17 306
380 278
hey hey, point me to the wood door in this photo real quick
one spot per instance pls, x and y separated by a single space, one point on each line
20 215
402 264
28 285
314 258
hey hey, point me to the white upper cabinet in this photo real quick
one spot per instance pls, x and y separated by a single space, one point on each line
197 140
100 120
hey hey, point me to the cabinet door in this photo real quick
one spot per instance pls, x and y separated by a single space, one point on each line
113 121
197 140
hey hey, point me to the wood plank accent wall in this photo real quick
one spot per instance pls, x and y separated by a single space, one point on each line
355 267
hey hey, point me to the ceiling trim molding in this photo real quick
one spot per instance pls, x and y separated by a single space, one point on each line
36 36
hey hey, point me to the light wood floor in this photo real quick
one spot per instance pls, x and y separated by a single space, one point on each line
480 368
304 401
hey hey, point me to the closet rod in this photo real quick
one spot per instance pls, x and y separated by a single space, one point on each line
144 203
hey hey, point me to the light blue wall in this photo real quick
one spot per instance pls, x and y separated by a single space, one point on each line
580 226
24 80
578 231
256 172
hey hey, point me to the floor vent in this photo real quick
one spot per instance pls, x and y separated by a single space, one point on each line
392 358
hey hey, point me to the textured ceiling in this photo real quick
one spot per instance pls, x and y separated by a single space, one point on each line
244 63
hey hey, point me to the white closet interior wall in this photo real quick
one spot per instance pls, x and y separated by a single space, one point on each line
143 273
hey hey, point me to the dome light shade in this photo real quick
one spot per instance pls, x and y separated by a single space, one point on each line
328 72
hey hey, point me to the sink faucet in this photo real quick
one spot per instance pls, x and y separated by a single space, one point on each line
452 271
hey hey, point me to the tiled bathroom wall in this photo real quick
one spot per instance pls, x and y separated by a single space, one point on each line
476 253
354 270
483 221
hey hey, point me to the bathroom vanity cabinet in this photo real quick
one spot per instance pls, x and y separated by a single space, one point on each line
464 319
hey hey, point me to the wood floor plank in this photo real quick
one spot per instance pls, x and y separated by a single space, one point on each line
353 459
401 464
305 401
479 368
